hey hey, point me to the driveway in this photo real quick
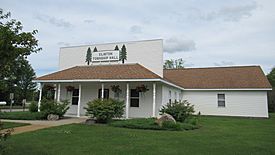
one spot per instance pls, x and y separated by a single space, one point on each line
41 124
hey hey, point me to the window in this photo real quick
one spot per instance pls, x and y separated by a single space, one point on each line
134 98
170 96
221 100
75 97
176 96
105 93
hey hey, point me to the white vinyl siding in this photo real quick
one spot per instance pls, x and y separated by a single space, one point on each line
238 103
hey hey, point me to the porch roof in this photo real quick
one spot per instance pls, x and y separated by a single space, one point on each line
117 71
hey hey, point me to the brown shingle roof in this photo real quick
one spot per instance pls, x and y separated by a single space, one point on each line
218 77
118 71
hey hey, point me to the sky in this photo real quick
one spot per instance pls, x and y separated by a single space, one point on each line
203 33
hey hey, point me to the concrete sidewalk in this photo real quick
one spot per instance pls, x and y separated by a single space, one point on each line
41 124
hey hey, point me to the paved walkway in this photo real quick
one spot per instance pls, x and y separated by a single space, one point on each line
41 124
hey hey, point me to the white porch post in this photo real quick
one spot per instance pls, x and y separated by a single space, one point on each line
127 101
55 92
154 100
102 91
79 101
58 92
40 96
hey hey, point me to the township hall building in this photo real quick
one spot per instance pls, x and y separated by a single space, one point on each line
135 75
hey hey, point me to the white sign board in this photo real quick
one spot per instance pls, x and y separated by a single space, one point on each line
112 55
3 102
11 96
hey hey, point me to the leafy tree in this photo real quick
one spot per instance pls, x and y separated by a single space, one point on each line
89 56
116 48
271 77
95 49
14 44
173 64
123 53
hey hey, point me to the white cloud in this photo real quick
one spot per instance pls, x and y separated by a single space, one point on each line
231 13
136 29
224 63
59 22
89 21
177 44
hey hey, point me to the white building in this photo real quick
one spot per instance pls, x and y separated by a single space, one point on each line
227 91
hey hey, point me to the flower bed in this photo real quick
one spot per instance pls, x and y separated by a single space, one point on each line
149 124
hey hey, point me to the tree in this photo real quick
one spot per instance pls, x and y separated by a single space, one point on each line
123 53
271 77
24 74
14 44
95 49
116 48
174 64
271 94
89 56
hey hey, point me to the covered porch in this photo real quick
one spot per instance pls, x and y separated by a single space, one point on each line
137 103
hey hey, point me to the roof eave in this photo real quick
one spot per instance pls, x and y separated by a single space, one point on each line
109 80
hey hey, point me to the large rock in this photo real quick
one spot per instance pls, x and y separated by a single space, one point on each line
52 117
165 117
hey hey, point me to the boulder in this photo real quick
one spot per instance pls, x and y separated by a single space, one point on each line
165 117
52 117
90 121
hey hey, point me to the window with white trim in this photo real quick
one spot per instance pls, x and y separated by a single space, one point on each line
134 98
75 97
221 100
176 96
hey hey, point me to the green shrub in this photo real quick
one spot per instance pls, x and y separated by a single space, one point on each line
193 120
137 123
33 107
22 115
104 110
150 124
187 126
179 110
169 125
52 107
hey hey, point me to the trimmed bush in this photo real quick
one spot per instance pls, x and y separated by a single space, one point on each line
52 107
104 110
33 107
179 110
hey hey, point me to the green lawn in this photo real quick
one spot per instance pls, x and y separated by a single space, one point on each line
218 135
22 115
7 125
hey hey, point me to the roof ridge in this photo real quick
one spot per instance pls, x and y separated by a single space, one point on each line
128 64
214 67
148 69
